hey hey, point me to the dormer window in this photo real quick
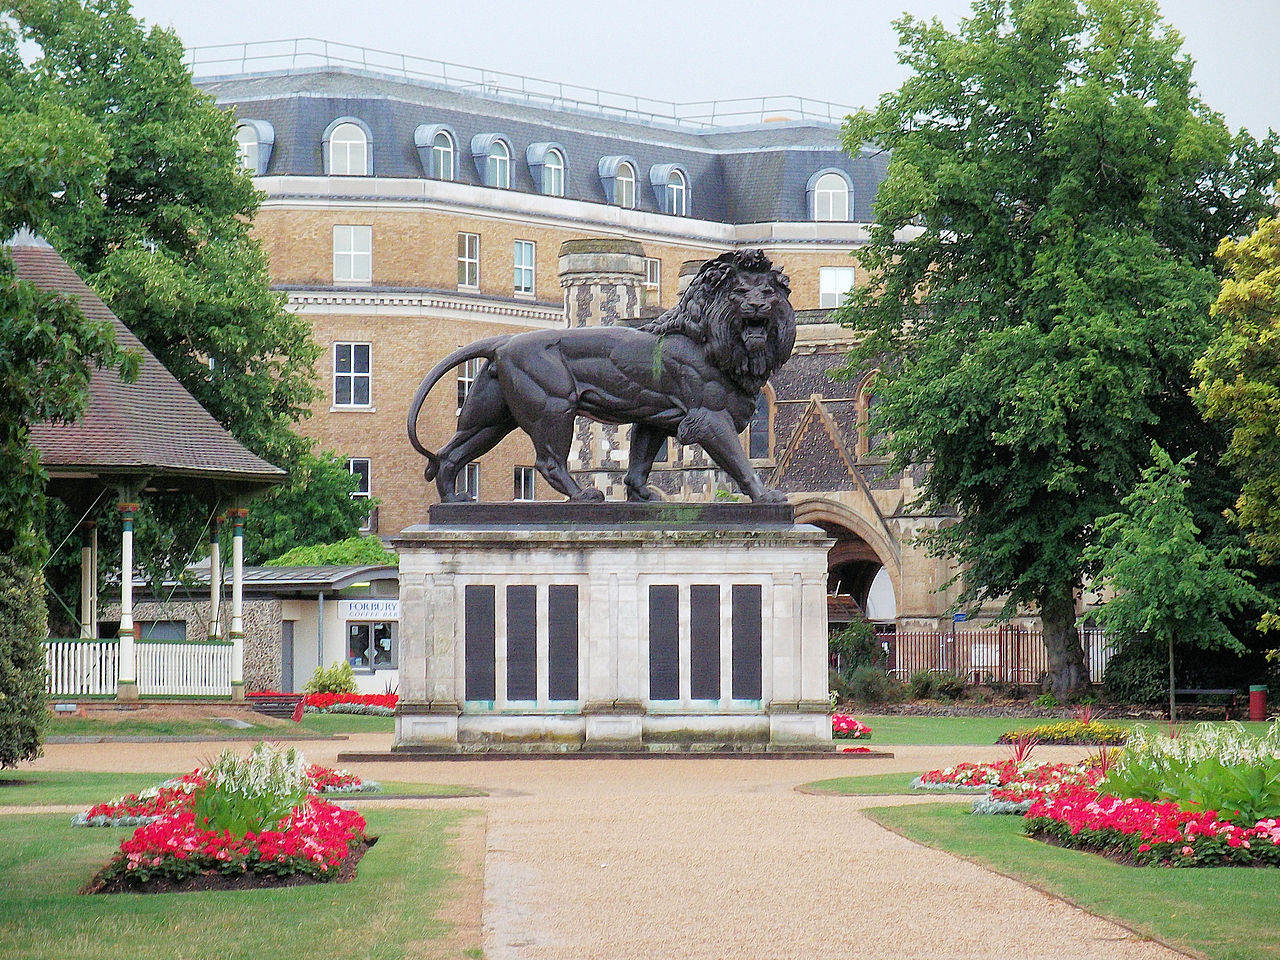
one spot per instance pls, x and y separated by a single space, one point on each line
548 168
254 140
670 188
829 192
492 155
618 178
626 186
348 150
437 147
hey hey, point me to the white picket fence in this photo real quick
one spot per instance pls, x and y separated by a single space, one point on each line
165 668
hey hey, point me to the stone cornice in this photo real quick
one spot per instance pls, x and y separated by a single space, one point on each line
325 299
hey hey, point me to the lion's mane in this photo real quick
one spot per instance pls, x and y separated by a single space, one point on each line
705 315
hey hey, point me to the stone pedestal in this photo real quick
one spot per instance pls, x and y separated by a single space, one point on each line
552 627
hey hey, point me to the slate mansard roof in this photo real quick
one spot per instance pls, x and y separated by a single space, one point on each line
150 429
755 174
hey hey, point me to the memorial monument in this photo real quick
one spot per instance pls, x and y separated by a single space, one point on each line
646 625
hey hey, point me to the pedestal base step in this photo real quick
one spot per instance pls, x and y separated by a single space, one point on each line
422 754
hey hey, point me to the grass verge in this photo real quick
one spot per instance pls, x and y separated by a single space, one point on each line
94 727
392 909
1226 913
331 723
23 788
867 785
950 731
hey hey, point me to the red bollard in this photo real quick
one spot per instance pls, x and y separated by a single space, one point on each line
1257 703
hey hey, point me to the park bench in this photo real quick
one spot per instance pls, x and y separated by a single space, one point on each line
1197 692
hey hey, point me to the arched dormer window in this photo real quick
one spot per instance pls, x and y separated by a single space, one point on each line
348 148
670 188
437 147
254 139
618 178
830 193
548 168
492 155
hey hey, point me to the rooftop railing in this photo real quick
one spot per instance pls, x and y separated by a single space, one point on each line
305 53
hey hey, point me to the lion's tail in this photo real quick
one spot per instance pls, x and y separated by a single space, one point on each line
481 348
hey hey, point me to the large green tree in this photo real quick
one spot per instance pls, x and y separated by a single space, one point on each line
49 156
166 241
1038 279
1167 585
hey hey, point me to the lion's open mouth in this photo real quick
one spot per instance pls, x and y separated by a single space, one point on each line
755 330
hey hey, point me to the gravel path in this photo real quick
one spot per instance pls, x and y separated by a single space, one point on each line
712 859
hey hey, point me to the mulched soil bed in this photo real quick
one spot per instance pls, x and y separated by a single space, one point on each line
346 872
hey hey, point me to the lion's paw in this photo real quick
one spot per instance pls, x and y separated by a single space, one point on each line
641 494
770 495
590 495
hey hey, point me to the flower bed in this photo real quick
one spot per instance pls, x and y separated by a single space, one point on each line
137 809
312 841
1007 785
1143 832
845 727
240 822
364 704
1071 732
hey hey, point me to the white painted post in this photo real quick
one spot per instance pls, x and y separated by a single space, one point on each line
93 583
87 577
237 602
215 578
127 681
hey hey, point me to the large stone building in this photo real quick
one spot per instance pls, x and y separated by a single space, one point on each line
407 214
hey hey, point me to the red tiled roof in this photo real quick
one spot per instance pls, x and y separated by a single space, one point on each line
843 609
152 428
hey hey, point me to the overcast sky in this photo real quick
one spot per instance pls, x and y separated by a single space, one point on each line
836 50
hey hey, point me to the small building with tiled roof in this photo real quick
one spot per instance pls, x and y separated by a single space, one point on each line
149 436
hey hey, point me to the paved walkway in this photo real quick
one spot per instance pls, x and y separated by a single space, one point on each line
713 859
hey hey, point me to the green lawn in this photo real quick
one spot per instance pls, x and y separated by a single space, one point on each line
95 727
867 785
331 723
36 787
391 910
948 731
1227 913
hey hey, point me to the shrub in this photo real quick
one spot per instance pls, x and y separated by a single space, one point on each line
353 550
857 646
23 712
872 685
1138 673
951 686
339 678
923 685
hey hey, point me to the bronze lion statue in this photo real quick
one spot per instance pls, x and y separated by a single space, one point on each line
693 373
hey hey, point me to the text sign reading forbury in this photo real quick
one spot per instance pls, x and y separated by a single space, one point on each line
368 609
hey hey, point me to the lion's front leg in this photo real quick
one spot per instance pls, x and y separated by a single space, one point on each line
713 431
644 446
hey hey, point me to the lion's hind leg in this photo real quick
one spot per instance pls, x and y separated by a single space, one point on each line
484 420
645 444
552 436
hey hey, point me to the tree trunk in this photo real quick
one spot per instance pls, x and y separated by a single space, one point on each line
1067 677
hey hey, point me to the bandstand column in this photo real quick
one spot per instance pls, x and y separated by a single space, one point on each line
127 677
88 578
215 578
238 517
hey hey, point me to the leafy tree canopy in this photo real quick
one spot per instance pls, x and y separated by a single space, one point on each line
1038 280
354 550
1240 379
164 236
